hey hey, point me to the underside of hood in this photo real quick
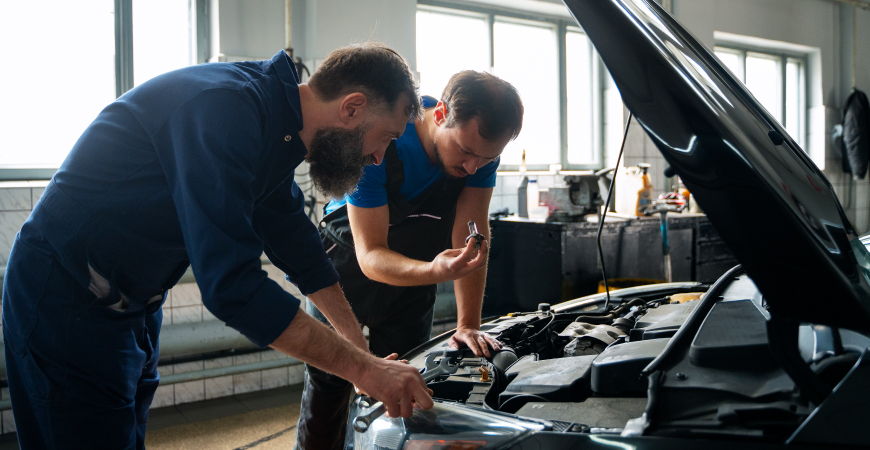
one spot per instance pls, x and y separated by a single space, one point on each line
770 203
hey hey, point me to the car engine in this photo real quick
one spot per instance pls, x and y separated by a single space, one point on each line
687 361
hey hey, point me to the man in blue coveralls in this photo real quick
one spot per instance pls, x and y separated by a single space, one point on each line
404 230
195 168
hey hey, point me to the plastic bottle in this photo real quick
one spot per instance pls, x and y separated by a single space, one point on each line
532 198
537 211
645 194
522 190
523 198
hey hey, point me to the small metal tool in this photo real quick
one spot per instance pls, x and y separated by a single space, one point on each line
445 367
474 234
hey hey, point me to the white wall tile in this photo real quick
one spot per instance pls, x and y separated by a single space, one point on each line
186 314
499 186
269 355
247 382
510 202
191 391
10 224
495 203
8 422
36 194
297 374
207 315
220 386
15 199
273 378
186 294
165 396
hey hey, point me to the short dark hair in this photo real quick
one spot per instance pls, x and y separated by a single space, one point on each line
494 102
371 68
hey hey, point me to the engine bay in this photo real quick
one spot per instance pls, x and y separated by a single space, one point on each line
665 363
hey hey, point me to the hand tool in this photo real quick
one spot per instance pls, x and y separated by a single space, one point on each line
446 366
474 234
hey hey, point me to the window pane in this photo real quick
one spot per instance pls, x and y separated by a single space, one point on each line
794 116
441 54
764 80
163 37
525 56
59 73
581 139
732 59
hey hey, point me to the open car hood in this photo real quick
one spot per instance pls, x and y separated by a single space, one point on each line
773 207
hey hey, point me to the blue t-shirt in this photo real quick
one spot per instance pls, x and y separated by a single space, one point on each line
420 174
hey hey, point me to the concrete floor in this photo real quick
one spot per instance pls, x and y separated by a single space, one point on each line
259 420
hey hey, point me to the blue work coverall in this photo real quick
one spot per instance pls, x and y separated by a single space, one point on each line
193 168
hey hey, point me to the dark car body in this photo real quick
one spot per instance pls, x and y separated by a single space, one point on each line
774 354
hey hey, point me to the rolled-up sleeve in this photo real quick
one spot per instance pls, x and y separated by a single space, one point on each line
209 150
291 240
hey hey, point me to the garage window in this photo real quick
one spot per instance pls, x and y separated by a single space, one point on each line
550 61
68 60
777 81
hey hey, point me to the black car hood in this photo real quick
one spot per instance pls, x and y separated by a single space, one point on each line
773 207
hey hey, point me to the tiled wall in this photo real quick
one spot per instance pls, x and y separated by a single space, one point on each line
16 202
184 305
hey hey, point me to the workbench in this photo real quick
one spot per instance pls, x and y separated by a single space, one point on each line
532 261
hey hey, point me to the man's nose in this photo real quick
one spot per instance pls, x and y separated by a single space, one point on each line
470 165
379 155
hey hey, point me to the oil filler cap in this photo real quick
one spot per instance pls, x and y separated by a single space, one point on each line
543 307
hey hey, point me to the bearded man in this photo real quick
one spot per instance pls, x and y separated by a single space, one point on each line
195 168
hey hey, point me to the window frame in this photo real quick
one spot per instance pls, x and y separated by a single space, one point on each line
782 57
123 72
561 26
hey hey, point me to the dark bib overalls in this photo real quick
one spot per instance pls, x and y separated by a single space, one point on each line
399 318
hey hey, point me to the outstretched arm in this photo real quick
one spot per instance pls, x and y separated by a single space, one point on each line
370 228
397 384
473 205
332 303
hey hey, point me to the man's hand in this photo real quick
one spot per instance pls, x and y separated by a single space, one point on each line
390 357
399 386
455 263
478 342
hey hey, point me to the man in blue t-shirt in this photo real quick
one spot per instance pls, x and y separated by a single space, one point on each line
404 230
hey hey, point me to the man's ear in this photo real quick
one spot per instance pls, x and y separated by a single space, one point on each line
440 113
353 108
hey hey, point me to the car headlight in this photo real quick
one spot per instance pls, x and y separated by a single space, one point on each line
446 426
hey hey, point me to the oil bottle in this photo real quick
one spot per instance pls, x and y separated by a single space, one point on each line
645 194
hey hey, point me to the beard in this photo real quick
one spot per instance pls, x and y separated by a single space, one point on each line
440 163
336 161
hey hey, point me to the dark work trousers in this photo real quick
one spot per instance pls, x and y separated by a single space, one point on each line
81 375
399 318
